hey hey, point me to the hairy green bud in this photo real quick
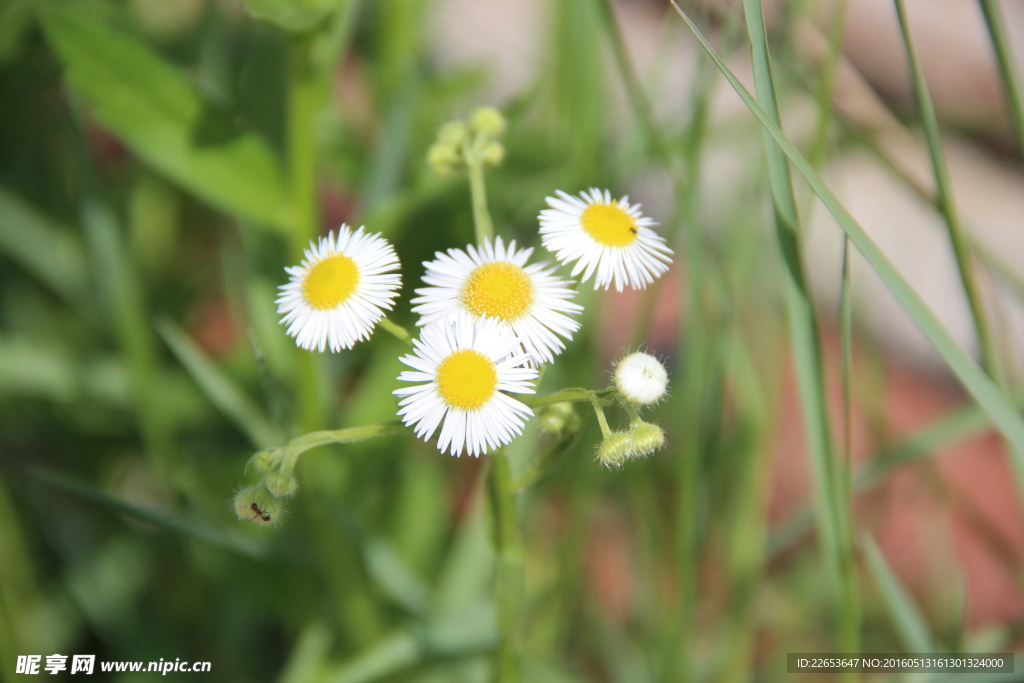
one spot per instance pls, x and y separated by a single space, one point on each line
256 504
646 438
281 485
616 448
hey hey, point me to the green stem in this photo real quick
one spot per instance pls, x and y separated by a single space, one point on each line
299 445
478 192
944 196
509 578
571 395
1007 67
602 420
304 100
635 92
395 330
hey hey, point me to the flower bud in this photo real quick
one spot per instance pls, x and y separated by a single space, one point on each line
487 121
493 153
443 158
281 485
559 418
646 438
256 504
265 461
616 448
641 378
452 134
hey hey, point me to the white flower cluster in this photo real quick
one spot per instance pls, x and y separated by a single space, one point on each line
489 317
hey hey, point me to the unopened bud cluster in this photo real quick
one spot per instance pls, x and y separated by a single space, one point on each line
467 142
640 380
261 503
640 440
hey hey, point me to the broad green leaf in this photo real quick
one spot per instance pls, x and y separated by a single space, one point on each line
294 15
159 113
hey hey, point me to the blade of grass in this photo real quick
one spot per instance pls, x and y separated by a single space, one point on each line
874 126
122 296
945 201
973 379
1007 67
832 508
956 426
464 633
909 622
193 528
48 251
634 90
824 94
218 387
846 343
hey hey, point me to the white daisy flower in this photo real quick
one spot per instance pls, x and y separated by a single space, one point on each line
463 366
494 281
340 291
641 378
604 235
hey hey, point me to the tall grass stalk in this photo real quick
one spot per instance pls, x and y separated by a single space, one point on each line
945 200
832 510
829 69
1007 67
994 401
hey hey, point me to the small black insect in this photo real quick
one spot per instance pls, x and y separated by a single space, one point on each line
633 229
257 512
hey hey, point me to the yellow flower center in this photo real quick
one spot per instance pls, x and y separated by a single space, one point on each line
609 224
466 379
498 290
331 282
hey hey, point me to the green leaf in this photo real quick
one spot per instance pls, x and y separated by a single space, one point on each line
981 388
159 113
831 505
219 388
192 527
52 253
909 622
293 15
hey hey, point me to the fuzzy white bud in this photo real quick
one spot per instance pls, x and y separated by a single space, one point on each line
641 378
